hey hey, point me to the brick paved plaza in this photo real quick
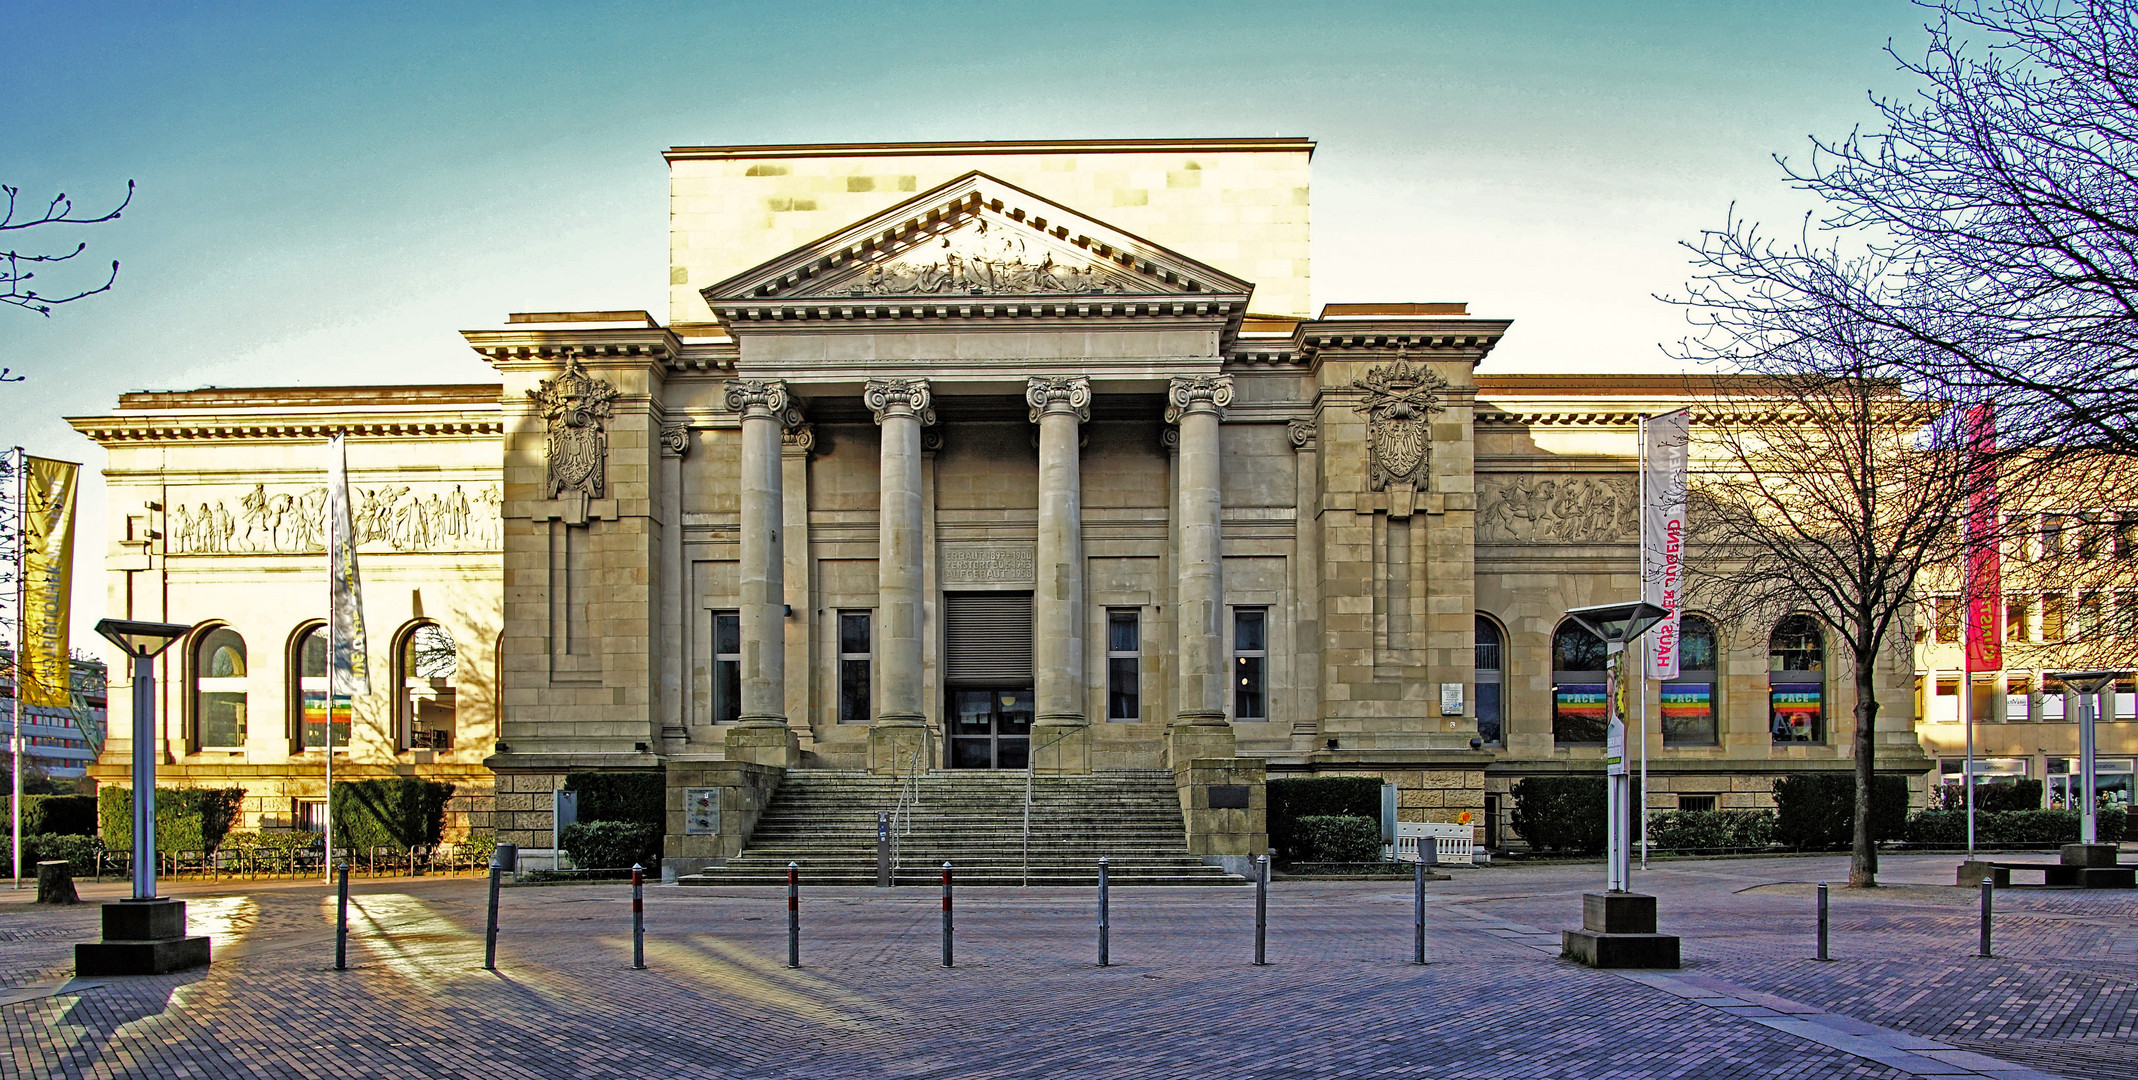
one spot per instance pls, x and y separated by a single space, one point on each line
1903 997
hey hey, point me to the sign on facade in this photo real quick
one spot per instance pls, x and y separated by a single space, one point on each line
701 811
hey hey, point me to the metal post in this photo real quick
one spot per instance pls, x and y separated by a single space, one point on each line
1822 922
794 914
1261 910
22 604
2089 710
883 849
145 777
946 915
1103 923
1418 910
638 917
341 922
489 935
1988 887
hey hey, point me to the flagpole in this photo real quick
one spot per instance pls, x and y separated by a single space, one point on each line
1641 685
22 520
326 861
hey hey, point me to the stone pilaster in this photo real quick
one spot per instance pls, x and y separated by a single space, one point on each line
761 736
902 407
1059 405
1194 404
675 444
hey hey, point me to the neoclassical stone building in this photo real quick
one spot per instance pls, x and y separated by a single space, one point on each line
964 456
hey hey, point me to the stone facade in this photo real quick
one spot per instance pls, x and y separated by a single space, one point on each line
907 393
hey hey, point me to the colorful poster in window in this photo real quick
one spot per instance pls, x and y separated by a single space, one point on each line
1797 708
1689 711
315 718
1578 712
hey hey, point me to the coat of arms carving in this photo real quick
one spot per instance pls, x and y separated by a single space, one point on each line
576 407
1400 401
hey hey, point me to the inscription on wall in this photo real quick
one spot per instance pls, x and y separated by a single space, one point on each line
1562 509
1010 562
394 517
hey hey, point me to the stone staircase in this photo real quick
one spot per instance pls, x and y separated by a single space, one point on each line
826 821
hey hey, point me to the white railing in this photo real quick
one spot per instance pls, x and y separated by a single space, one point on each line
1031 760
1452 843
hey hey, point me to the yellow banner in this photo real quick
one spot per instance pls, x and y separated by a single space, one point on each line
47 581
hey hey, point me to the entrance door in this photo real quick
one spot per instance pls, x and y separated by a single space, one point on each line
990 728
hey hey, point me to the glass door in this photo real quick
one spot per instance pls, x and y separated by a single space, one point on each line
990 728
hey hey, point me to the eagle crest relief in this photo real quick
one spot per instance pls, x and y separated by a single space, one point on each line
1400 400
576 407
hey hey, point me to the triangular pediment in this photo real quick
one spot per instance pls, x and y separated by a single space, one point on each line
977 236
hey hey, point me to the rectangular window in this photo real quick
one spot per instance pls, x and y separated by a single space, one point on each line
2052 617
1948 609
854 657
2052 698
1689 713
2126 535
727 667
2015 618
2018 695
1124 666
1698 803
1250 658
309 815
2052 535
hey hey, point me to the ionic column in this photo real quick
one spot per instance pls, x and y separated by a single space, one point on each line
1058 406
766 409
902 407
1194 404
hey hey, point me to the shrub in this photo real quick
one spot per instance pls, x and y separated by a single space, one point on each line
80 852
609 845
1336 838
1298 797
187 819
638 797
402 812
57 814
1701 830
1948 828
1563 813
1818 810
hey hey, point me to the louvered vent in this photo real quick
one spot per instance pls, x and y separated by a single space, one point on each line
988 638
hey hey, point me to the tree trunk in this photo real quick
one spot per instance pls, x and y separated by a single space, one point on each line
1863 858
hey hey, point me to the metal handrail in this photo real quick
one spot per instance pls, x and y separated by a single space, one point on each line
909 792
1031 761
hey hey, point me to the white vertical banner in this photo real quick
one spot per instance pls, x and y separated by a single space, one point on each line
348 669
1665 457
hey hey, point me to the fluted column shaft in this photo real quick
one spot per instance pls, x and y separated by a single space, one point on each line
1059 406
766 410
1194 404
902 407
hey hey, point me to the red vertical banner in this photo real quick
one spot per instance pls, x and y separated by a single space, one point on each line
1985 575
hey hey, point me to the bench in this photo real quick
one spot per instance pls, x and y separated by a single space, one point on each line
2055 875
1451 843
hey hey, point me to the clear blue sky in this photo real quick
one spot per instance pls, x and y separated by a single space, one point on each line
329 192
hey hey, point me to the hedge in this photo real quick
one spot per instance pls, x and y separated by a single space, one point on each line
611 845
1948 828
1292 798
639 797
1563 813
59 814
1816 811
402 812
79 851
187 819
1707 830
1999 797
1336 838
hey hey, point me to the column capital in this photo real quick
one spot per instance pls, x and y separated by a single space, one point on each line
1197 393
799 440
900 397
1059 393
766 398
1303 434
675 440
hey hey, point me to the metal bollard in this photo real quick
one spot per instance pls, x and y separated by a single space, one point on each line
490 935
1261 908
1102 912
946 915
794 915
1822 922
341 922
1418 913
1988 886
638 917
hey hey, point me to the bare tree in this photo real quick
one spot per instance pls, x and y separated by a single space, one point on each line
18 268
2001 201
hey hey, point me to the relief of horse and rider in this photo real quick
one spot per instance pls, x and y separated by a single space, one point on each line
397 518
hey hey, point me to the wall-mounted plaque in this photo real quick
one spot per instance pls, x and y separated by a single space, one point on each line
701 811
1228 796
1004 562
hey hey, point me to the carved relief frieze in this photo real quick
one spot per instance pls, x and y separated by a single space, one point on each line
429 517
1557 509
983 258
1400 400
576 407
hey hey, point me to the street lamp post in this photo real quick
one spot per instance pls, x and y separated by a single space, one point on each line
1618 925
2088 685
143 935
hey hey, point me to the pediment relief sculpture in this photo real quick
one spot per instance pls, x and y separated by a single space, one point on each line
1400 400
576 408
983 258
1557 509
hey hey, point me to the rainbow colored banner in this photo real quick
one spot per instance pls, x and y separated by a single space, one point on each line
1685 702
1796 710
1581 701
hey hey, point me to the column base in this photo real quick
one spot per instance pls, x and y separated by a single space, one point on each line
142 937
764 744
900 746
1194 740
1061 747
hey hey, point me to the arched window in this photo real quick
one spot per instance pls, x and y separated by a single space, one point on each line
1689 699
424 710
1796 680
1578 685
1490 651
219 690
308 691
